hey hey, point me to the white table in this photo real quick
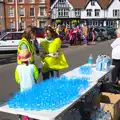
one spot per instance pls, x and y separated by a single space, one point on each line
53 115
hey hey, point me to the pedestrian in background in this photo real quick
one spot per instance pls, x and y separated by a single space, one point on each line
52 58
85 31
116 58
26 43
26 74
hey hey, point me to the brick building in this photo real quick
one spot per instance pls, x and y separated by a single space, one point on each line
30 12
2 18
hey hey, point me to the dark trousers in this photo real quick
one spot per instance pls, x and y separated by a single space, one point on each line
48 75
116 71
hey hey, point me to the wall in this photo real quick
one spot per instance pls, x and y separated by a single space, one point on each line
2 16
97 6
114 5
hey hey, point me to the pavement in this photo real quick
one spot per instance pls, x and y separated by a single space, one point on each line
76 56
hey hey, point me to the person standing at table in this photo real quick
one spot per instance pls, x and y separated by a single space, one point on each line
52 58
116 58
26 43
26 74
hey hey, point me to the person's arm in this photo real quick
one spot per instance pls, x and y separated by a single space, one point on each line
115 43
36 73
17 76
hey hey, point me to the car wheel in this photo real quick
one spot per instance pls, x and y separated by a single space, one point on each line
99 39
109 37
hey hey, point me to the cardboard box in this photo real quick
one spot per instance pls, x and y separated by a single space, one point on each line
111 102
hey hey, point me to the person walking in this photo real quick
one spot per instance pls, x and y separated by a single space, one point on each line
26 43
85 31
52 58
26 74
116 58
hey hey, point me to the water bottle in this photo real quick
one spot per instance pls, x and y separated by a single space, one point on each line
90 60
104 62
99 63
109 62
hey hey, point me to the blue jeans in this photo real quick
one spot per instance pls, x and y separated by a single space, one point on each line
50 74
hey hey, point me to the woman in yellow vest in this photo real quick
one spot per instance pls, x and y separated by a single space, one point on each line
52 57
26 43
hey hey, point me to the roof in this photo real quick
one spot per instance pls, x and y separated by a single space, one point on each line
105 3
78 3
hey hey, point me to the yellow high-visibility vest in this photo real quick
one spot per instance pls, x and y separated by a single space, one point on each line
53 63
30 48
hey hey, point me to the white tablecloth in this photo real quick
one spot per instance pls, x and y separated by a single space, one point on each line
52 115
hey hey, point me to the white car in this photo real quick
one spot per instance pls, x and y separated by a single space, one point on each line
9 41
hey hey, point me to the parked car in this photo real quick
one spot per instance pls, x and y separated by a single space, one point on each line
9 41
39 32
98 34
110 32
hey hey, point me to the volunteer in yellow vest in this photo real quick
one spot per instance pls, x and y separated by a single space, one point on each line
52 57
26 43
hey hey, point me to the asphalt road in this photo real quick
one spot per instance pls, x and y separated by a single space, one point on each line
76 56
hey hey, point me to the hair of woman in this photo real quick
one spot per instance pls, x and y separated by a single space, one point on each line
54 34
28 31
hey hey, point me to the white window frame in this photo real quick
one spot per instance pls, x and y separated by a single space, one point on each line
24 12
61 1
44 11
9 12
23 1
33 1
42 1
93 3
77 12
13 25
97 12
34 12
11 2
63 13
89 12
117 13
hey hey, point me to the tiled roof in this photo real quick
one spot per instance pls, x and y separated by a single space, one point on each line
105 3
78 3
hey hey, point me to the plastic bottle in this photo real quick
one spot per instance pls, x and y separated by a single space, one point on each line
90 60
104 62
99 63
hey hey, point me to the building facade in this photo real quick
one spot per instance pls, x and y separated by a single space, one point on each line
2 15
25 12
93 12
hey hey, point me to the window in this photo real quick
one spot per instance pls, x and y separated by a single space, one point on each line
20 1
63 12
16 36
10 1
12 25
22 12
116 13
11 12
89 11
32 12
8 36
61 1
31 1
42 1
42 11
97 12
93 3
77 12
